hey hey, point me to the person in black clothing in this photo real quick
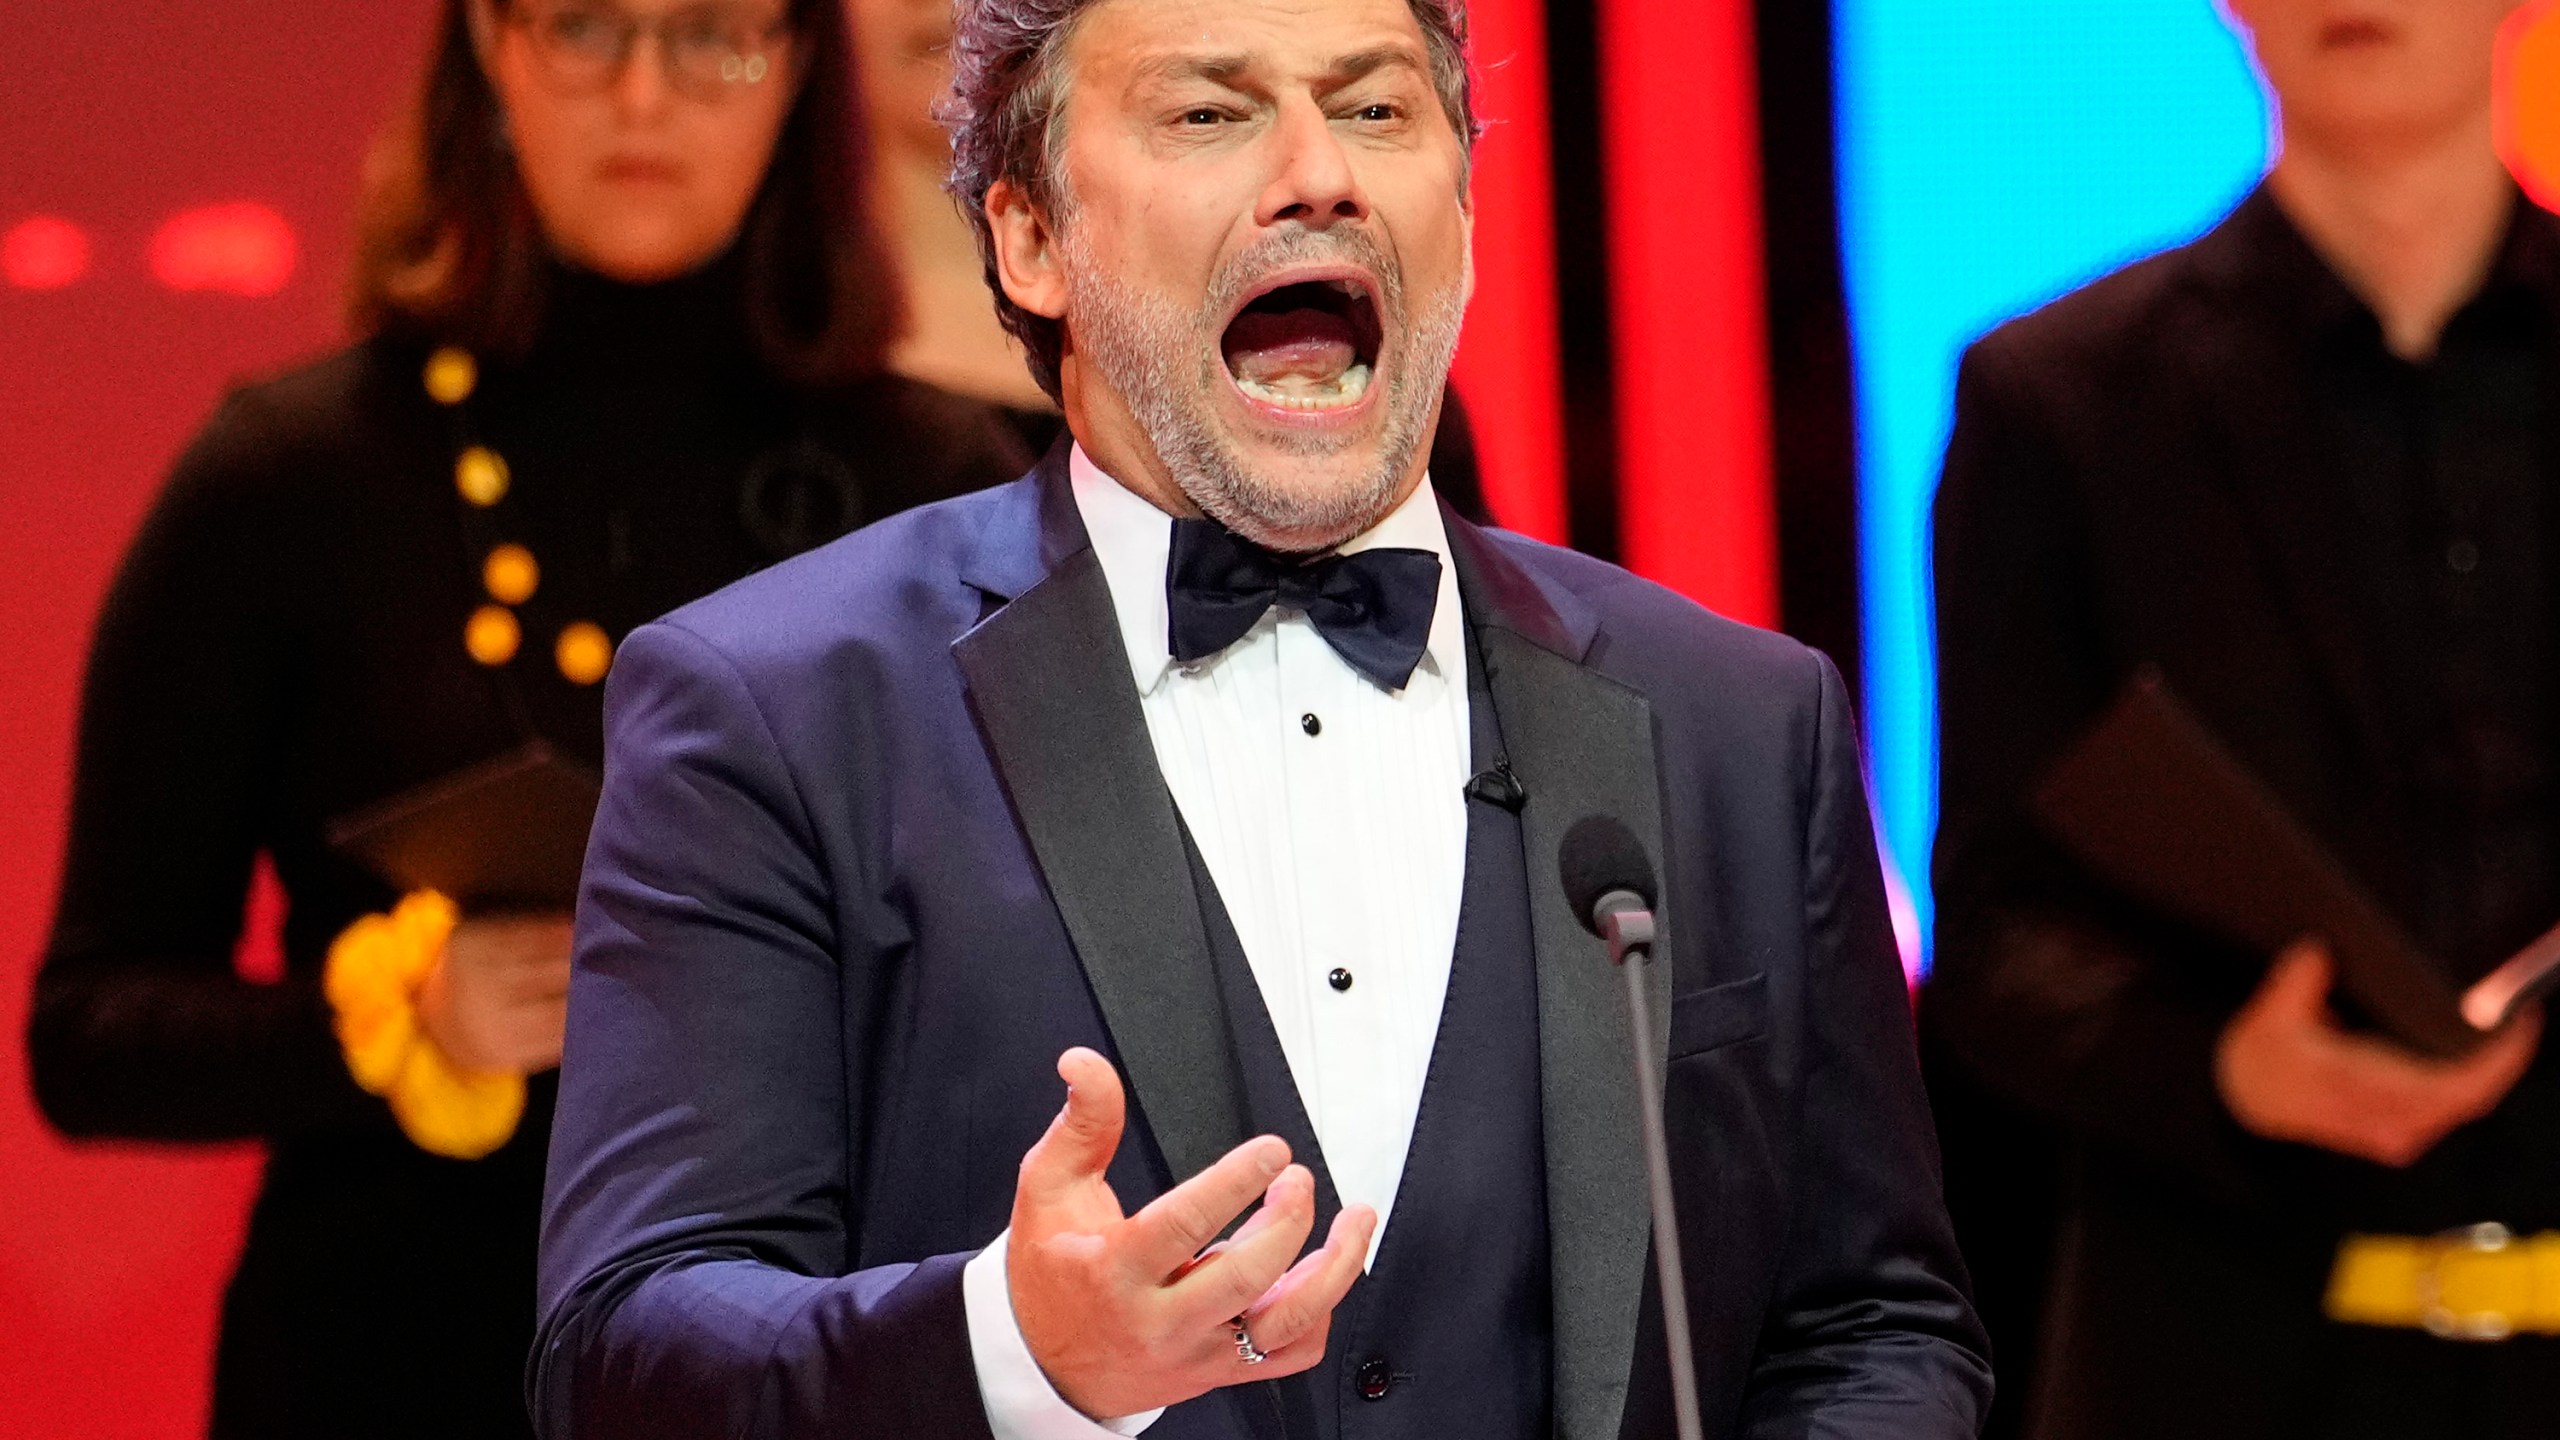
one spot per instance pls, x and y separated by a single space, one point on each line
625 317
2304 469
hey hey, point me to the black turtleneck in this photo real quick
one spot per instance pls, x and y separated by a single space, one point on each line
283 645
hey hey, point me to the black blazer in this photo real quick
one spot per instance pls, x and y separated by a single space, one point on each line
282 646
883 834
2133 480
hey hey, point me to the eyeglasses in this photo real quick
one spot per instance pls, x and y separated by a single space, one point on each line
708 51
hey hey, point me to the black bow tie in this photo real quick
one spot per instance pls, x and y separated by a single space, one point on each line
1373 607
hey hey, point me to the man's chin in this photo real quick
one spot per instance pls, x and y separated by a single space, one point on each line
1300 483
1285 499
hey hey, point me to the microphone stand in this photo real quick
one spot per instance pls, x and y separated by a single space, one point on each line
1627 925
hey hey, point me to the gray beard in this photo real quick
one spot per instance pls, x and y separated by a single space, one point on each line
1165 363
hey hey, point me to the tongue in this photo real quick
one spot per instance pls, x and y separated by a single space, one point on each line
1272 346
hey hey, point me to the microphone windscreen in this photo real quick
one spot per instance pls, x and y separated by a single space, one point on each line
1601 854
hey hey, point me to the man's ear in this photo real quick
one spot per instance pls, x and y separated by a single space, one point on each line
1026 252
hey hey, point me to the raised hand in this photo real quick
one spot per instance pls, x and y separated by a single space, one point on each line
2289 1071
1129 1312
497 1000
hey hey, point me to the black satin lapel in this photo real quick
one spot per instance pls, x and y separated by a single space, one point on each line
2296 523
1583 745
1050 686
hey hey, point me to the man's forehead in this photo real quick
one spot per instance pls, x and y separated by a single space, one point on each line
1230 40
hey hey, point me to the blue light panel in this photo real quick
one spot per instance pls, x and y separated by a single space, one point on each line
1993 155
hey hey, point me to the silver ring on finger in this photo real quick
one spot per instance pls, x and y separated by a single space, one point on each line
1245 1349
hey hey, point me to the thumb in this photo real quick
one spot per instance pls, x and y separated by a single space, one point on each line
1079 1144
2297 984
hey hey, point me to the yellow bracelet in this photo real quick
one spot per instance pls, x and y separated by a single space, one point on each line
372 980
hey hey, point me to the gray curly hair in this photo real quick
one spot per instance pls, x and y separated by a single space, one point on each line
1006 112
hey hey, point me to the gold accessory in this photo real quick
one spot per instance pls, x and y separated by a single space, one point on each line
374 970
481 475
510 574
493 634
2481 1282
451 375
584 653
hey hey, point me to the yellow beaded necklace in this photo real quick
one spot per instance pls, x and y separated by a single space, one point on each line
508 571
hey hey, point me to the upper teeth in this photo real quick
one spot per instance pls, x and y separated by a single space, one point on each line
1352 288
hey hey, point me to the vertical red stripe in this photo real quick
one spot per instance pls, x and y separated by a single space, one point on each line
1679 113
1507 362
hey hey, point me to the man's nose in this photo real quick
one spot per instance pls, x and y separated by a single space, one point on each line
1315 184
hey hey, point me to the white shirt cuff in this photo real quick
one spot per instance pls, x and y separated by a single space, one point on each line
1021 1403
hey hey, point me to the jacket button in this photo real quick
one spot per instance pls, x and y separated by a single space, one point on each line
1374 1380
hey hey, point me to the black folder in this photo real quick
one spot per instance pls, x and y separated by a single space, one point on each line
2154 805
509 833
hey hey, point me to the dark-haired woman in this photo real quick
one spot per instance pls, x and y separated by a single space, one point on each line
625 322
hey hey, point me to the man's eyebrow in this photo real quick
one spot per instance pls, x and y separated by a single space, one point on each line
1221 69
1227 69
1361 64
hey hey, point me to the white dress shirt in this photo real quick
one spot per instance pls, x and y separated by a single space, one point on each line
1331 812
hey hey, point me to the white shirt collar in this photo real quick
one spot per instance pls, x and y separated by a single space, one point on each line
1134 541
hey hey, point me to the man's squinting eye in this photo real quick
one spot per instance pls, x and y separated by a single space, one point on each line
1378 110
1201 115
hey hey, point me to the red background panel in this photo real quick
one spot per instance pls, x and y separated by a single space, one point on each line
117 118
1507 361
1679 98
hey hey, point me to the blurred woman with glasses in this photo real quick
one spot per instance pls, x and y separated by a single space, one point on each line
624 319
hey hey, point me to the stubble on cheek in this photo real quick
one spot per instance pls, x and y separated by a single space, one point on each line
1165 362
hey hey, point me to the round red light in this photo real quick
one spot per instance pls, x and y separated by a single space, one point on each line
241 248
44 252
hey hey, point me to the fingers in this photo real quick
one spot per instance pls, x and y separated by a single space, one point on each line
1281 1361
1299 1306
521 954
2290 1071
546 1028
1079 1143
2392 1107
2482 1079
1179 1224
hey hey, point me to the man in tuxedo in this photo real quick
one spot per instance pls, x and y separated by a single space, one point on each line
2303 470
1218 769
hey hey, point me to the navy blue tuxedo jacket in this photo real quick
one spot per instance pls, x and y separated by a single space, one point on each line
883 833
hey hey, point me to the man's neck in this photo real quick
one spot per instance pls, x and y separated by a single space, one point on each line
2412 228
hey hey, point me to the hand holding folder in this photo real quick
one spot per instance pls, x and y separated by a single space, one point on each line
2153 804
504 839
2287 1070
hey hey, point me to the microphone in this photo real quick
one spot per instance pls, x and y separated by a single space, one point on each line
1499 786
1609 882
